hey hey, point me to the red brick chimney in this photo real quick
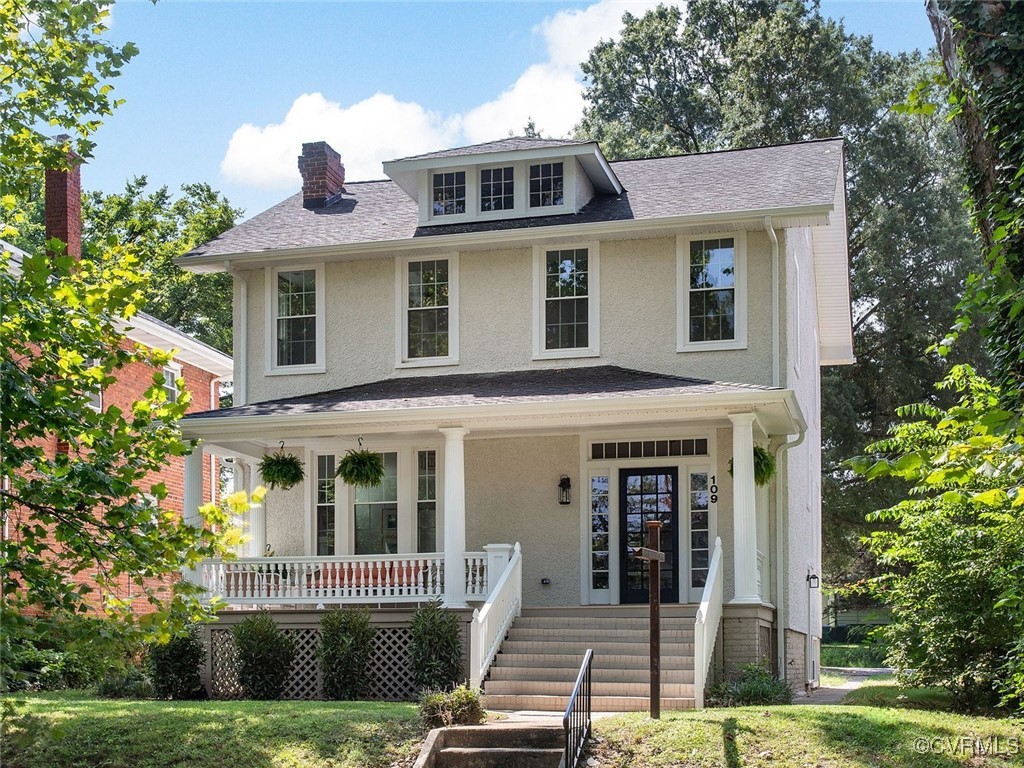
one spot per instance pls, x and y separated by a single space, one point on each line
63 205
323 175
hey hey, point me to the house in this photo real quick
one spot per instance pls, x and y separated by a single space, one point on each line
549 350
195 367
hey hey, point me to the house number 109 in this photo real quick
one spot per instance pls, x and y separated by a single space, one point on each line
714 490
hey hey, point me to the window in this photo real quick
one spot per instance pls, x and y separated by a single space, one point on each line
171 374
599 532
96 396
547 185
711 312
376 513
325 509
449 193
295 322
426 501
428 316
567 302
497 189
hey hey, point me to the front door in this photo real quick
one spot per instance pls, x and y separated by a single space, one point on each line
648 494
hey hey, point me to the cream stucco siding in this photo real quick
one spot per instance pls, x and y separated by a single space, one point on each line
286 521
510 497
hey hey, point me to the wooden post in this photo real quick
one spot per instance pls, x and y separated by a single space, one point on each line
654 556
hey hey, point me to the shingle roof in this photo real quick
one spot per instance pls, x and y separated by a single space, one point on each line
511 144
593 383
786 176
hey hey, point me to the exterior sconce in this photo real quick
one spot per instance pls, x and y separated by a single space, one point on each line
564 490
813 581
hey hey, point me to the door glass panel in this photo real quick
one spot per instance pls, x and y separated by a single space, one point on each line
376 513
325 509
699 531
648 494
426 501
599 511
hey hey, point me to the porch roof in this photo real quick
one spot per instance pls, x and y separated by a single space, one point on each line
554 393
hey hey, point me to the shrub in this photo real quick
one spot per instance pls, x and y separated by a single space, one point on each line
436 648
346 644
174 667
751 684
265 656
460 706
129 683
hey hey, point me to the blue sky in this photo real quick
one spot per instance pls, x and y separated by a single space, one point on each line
225 92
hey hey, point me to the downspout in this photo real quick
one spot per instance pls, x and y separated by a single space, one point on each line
776 302
781 519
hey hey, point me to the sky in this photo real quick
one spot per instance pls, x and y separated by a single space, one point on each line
226 91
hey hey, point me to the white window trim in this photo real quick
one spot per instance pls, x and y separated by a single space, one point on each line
270 333
683 343
176 372
402 360
96 398
593 305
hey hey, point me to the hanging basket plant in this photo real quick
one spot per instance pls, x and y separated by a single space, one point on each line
764 466
361 468
282 470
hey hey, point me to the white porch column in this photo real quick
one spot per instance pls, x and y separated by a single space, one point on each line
257 514
744 516
193 499
454 517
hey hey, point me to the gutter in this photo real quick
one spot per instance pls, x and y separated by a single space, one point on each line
781 518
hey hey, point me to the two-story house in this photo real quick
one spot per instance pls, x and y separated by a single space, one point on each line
549 350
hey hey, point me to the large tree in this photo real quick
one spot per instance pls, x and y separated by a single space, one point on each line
740 74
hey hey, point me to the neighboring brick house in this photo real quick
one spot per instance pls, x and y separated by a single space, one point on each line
196 367
548 349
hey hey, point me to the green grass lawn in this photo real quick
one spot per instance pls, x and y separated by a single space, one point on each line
214 734
804 736
852 655
883 691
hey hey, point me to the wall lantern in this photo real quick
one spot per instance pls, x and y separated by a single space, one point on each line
564 488
813 581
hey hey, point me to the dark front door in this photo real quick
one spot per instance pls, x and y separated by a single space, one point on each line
648 494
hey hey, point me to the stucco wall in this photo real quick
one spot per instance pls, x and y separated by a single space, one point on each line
285 515
510 497
637 320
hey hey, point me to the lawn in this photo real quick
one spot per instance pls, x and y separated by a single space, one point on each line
212 734
852 655
883 691
806 736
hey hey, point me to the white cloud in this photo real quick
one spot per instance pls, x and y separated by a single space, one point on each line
372 130
382 128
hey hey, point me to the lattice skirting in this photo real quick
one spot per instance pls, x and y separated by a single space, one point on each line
390 672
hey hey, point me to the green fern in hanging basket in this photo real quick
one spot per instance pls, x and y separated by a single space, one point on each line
764 466
282 470
361 468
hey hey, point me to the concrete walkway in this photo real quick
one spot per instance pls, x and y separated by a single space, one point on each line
855 677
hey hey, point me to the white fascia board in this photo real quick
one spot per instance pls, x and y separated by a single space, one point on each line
505 238
185 348
550 413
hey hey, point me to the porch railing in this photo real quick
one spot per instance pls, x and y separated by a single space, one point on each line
491 622
705 627
346 579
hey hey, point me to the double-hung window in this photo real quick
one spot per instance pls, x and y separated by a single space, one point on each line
711 288
428 311
566 304
295 333
448 193
96 395
172 373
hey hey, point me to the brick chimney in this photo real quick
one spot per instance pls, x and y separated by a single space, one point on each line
63 205
323 175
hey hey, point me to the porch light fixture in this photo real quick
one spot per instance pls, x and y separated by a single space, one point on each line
813 581
564 490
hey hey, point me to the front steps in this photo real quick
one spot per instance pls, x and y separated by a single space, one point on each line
501 745
537 665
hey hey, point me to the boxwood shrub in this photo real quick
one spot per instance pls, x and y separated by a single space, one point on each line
265 656
174 666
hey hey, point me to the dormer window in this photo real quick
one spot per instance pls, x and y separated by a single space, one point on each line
497 189
547 185
449 193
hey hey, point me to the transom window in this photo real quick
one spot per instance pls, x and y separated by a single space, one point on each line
547 185
376 513
497 189
449 193
296 317
566 299
712 290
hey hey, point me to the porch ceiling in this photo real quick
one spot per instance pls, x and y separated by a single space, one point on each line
573 398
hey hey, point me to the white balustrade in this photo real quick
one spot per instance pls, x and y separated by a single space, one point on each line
491 622
705 627
476 575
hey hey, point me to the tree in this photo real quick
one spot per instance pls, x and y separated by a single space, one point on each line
981 44
740 74
90 506
953 550
55 70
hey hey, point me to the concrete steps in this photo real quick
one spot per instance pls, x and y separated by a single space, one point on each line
494 746
540 658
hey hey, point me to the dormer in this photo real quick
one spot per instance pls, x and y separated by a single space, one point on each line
508 179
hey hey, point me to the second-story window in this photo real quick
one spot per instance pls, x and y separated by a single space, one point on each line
567 311
171 374
449 193
497 189
712 293
547 185
295 322
428 311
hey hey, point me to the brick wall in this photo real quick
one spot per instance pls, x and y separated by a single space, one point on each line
796 660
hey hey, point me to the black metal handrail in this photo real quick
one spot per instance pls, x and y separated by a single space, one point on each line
576 722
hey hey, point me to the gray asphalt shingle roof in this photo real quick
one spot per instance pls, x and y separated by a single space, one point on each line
786 176
510 144
592 383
